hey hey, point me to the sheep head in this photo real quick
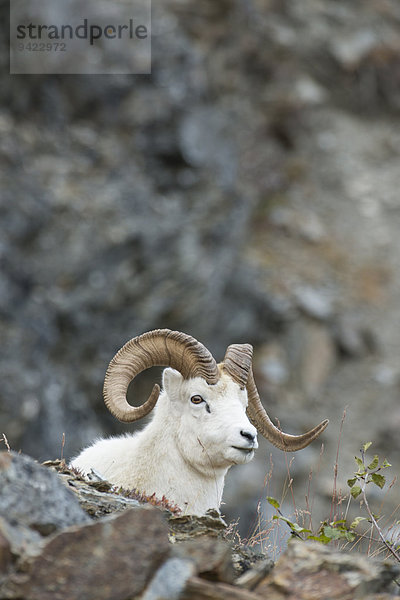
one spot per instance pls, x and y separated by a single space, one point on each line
209 423
196 369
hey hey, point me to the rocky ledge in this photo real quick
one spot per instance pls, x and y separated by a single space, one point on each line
62 537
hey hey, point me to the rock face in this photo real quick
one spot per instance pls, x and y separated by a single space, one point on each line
111 559
129 554
32 504
246 191
32 496
309 570
50 548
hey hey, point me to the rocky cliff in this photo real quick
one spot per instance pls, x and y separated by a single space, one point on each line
51 549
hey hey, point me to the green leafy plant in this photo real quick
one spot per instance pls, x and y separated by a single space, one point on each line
334 530
367 473
327 532
371 473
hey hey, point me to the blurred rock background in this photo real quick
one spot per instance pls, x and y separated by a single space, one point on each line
246 191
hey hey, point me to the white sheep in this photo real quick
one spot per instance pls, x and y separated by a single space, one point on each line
204 421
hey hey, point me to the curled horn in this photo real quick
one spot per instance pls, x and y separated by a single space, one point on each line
237 363
161 347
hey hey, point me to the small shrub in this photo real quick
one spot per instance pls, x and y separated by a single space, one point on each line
336 530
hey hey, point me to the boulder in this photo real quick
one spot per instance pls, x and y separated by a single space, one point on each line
309 570
111 559
34 503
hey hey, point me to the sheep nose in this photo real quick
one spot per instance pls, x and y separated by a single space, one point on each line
249 436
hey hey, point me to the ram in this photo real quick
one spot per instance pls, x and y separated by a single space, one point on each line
204 421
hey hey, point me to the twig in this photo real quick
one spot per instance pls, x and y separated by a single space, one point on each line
333 515
308 507
290 484
62 446
371 515
5 440
376 525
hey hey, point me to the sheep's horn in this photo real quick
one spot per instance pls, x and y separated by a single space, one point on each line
163 348
260 419
237 363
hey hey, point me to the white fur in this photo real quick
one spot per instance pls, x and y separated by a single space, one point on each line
185 451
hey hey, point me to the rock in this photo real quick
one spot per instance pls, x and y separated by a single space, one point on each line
170 580
112 559
309 92
129 555
318 359
386 375
251 578
246 560
307 569
349 51
206 139
5 553
33 501
317 303
311 356
305 225
20 540
189 526
97 498
212 557
272 364
353 338
204 590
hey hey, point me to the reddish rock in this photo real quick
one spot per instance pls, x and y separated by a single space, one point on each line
108 560
310 571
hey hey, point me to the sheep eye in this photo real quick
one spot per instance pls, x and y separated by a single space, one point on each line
196 399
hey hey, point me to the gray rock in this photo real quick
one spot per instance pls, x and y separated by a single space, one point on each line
18 541
206 139
5 553
211 557
34 498
318 359
386 375
317 303
349 51
170 580
311 356
353 337
272 364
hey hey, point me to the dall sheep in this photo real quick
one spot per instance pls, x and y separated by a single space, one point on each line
205 420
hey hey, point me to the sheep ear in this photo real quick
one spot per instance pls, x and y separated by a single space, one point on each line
171 380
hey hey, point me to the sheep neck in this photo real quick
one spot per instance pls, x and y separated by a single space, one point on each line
174 476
